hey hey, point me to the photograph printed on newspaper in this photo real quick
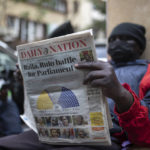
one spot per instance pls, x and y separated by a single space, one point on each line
64 110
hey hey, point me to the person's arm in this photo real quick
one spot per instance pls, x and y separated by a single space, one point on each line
138 115
133 117
102 75
136 121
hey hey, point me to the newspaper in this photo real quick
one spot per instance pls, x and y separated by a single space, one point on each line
57 105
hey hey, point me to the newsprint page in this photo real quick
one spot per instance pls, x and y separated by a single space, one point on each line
64 110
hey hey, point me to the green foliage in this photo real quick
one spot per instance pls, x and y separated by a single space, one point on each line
40 14
40 10
25 14
99 5
20 0
37 2
98 25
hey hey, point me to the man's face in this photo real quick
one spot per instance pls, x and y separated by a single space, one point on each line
54 121
79 120
65 121
81 134
123 49
54 133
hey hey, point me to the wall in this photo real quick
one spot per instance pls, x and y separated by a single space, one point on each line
136 11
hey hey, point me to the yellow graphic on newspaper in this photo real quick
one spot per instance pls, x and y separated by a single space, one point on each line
44 101
96 119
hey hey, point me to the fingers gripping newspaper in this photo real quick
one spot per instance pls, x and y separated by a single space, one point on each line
64 110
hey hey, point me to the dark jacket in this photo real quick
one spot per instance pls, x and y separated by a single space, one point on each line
9 118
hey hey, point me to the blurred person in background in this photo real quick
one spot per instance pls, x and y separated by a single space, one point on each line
17 90
15 87
64 29
10 122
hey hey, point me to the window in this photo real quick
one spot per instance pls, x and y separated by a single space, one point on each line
57 5
75 6
25 30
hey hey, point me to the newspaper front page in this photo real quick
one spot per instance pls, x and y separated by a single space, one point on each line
64 110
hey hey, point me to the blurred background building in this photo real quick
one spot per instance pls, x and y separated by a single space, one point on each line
23 21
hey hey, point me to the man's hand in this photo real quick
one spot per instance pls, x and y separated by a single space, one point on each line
102 75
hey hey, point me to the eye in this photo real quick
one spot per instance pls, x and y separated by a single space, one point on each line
131 41
112 39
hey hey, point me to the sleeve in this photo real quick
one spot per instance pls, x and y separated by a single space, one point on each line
136 121
144 84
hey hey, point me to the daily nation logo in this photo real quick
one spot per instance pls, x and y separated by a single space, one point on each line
52 49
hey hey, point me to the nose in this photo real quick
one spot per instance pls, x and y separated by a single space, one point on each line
117 39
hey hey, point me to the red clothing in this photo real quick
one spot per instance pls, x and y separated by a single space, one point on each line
145 83
136 121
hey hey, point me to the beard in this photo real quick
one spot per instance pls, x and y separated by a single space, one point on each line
122 51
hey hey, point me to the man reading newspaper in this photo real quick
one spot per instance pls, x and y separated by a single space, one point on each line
65 110
101 75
